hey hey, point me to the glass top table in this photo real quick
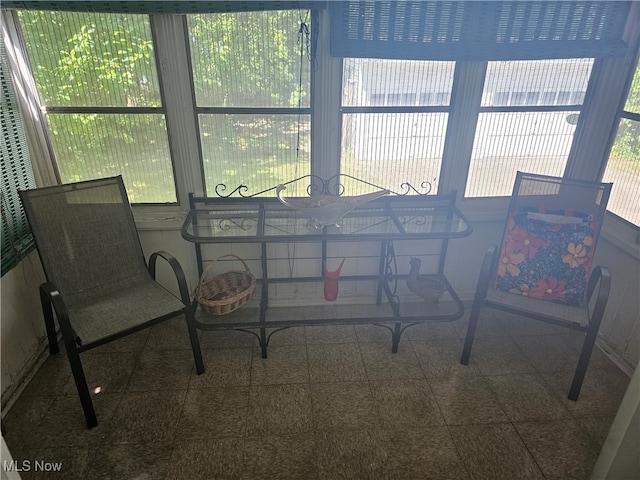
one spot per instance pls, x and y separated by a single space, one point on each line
233 221
385 220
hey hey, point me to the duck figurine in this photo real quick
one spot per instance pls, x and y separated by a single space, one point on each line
429 287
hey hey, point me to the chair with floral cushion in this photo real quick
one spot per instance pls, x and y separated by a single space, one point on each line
543 268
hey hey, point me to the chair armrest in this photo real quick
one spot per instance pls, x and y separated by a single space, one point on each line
177 270
486 273
602 277
50 295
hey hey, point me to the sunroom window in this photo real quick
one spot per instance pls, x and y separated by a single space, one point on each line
623 166
404 140
98 83
533 132
251 73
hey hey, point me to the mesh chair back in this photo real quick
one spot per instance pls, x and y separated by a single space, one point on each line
550 237
86 238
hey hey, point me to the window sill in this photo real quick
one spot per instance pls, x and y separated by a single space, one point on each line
158 218
622 234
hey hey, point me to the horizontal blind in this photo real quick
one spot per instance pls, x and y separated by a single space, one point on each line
150 7
478 30
17 173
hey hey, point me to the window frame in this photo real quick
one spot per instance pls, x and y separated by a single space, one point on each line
625 231
517 107
400 108
110 110
169 35
235 110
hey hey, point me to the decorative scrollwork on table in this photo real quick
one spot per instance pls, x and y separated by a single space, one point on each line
334 185
391 271
226 224
240 190
408 188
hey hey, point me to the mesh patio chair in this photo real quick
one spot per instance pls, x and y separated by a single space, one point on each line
543 267
98 282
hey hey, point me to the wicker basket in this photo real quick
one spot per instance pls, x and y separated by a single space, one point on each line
226 292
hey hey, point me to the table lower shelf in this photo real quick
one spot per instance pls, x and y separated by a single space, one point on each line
347 309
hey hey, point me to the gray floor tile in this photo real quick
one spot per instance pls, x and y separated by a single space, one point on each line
441 358
549 353
108 371
284 457
467 399
381 363
226 339
427 452
548 442
284 364
335 363
597 427
353 455
373 333
287 336
169 335
162 370
220 458
224 367
343 406
494 452
64 423
214 413
499 356
491 324
600 394
436 330
279 409
527 397
44 462
24 417
51 378
148 462
147 417
315 410
331 334
405 403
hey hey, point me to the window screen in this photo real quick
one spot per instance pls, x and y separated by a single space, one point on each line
623 166
97 79
251 72
403 140
512 136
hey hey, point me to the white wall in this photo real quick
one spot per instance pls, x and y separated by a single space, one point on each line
23 335
620 330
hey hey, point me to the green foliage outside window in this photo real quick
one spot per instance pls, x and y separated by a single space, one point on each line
106 61
627 144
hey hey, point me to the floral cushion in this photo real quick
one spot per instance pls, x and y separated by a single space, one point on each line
547 255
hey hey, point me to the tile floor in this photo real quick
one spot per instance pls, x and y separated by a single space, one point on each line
328 403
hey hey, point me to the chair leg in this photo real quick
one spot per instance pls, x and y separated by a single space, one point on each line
583 363
81 385
195 341
602 277
47 312
471 331
478 300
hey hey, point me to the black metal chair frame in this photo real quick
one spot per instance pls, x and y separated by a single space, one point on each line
593 307
52 302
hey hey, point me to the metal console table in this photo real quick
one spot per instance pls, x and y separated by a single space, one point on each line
263 220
